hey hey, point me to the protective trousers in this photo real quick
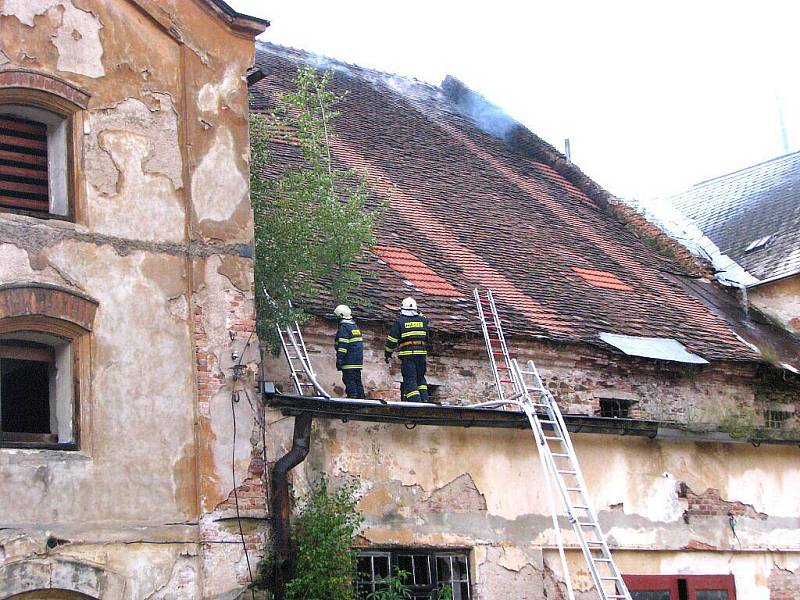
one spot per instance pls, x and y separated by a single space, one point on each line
352 383
414 387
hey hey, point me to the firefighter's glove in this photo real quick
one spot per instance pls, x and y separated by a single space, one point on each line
338 366
387 358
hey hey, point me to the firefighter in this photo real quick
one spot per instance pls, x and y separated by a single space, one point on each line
349 352
409 336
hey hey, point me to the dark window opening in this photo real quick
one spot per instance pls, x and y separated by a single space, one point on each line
35 389
616 408
426 572
23 164
776 419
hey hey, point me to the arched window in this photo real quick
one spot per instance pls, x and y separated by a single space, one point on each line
40 122
44 352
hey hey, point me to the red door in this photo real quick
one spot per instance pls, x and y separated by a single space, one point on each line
711 587
652 587
681 587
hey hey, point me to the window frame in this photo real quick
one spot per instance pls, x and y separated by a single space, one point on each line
62 313
31 89
694 584
394 553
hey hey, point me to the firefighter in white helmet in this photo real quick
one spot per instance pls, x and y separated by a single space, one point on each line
409 336
349 347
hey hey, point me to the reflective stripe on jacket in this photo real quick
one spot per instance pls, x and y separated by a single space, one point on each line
349 345
409 336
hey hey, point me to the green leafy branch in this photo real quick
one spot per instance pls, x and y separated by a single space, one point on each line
311 221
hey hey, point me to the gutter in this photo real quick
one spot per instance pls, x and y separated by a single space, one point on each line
281 502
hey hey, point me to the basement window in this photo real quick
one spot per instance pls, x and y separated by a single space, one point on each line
36 399
616 408
426 572
776 419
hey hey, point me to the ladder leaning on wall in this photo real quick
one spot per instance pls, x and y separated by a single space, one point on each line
294 349
524 389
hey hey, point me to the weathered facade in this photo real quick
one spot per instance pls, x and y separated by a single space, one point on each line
125 227
696 484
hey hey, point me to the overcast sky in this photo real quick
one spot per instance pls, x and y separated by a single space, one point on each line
654 96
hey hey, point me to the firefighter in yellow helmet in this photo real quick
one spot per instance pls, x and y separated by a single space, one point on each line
409 336
349 347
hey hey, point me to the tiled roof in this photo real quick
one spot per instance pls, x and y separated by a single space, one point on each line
467 208
758 204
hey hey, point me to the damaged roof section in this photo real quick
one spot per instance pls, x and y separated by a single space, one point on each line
752 215
471 200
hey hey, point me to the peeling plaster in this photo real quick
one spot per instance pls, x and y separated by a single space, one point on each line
16 266
154 118
77 38
214 97
216 191
145 200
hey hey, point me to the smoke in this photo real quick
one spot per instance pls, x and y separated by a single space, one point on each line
490 118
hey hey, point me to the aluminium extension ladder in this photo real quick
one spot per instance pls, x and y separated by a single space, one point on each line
556 455
296 353
294 349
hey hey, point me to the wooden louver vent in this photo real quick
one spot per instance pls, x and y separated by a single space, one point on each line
23 164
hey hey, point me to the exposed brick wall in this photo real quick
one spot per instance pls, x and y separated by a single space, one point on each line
701 398
784 584
209 378
711 504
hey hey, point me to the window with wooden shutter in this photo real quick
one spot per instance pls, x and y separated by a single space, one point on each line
23 164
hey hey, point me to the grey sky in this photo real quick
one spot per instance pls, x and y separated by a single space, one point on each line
654 96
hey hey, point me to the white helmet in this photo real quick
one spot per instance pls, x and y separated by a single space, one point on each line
409 304
343 311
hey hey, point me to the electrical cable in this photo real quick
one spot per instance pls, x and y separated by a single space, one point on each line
235 399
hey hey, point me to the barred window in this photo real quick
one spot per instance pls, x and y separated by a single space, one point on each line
428 573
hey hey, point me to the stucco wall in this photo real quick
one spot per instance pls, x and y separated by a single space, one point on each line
665 505
161 212
780 300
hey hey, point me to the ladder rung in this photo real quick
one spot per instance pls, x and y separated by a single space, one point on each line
573 489
579 507
568 472
560 439
610 579
588 524
605 560
505 381
501 368
559 454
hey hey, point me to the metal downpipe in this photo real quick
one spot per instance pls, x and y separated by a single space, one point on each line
281 501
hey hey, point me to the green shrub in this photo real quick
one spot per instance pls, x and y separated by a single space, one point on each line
322 538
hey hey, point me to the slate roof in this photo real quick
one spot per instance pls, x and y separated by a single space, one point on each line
471 206
756 203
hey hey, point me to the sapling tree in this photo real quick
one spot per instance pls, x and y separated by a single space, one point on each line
311 221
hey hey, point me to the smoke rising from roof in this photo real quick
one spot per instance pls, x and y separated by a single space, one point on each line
490 118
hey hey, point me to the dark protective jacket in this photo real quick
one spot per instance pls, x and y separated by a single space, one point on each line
409 336
349 345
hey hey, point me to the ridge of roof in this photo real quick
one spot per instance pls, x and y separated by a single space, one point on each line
744 169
